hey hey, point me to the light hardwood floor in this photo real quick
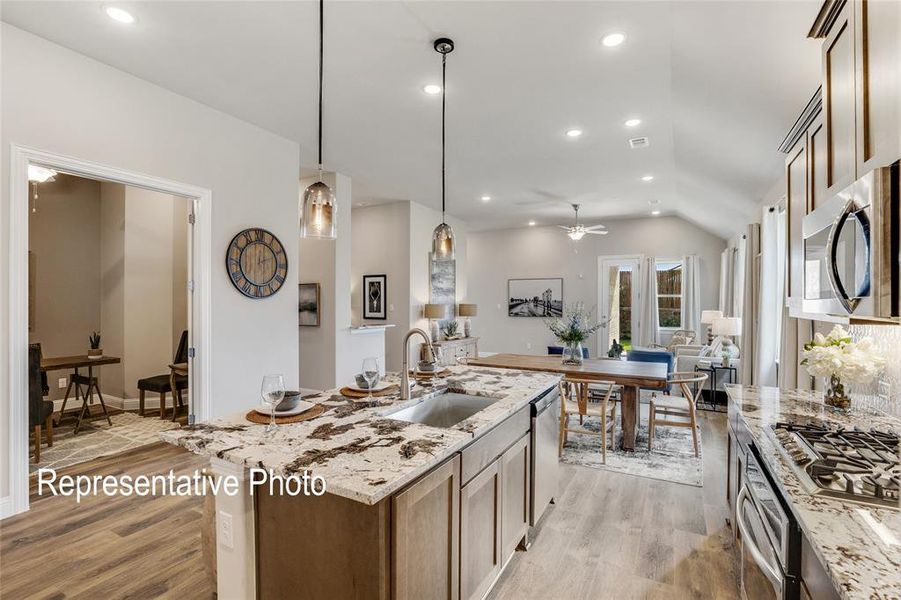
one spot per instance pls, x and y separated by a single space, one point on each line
609 536
621 537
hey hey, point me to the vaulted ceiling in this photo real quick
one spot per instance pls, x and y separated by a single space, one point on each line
715 84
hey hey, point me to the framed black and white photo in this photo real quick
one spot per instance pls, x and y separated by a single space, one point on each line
535 297
375 296
308 308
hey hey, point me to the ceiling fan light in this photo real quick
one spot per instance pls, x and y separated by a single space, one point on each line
576 235
319 213
39 174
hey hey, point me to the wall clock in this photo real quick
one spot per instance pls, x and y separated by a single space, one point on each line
257 263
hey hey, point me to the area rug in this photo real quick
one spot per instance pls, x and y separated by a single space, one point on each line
97 438
672 458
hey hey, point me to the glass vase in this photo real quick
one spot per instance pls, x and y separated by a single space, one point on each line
836 398
572 353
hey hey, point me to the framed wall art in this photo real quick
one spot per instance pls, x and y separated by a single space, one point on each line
535 297
375 296
308 307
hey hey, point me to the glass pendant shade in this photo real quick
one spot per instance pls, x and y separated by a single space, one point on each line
443 243
319 218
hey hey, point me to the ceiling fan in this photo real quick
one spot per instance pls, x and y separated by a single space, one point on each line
578 231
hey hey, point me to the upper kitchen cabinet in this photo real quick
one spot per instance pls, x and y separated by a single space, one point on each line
861 87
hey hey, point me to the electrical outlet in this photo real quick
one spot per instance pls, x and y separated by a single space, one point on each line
390 308
226 530
62 382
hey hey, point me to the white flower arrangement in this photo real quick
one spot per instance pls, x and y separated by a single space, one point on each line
836 355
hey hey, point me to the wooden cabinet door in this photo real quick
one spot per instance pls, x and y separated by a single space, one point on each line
796 184
878 52
515 472
816 158
480 532
839 96
425 536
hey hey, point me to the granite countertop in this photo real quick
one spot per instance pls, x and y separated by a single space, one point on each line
363 454
859 546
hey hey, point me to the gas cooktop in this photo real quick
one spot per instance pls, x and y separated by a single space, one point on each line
846 464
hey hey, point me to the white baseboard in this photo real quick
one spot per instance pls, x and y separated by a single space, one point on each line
151 402
6 507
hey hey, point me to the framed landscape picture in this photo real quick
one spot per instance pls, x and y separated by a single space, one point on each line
375 296
308 308
535 297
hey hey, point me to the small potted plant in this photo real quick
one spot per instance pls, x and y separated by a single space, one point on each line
95 351
840 360
573 328
451 330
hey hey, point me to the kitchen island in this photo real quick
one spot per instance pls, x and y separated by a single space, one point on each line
856 546
410 509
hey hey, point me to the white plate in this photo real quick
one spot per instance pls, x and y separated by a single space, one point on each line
302 406
378 387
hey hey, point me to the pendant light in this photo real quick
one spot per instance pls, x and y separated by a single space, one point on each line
319 218
443 236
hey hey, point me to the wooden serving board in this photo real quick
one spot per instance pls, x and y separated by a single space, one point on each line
311 413
352 393
426 376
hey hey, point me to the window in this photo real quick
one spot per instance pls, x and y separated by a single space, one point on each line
669 293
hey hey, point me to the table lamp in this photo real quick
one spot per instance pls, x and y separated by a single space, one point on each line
467 311
707 318
727 327
433 312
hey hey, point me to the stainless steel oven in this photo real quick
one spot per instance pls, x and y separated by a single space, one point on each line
851 246
770 540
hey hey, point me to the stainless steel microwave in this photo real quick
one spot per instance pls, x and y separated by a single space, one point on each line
851 250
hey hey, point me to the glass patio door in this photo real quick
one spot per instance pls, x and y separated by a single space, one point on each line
617 300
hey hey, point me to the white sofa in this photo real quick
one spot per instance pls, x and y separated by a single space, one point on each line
689 356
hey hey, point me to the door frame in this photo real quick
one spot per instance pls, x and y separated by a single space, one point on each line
200 330
603 333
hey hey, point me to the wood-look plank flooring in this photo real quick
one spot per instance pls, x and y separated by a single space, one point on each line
621 537
108 547
609 536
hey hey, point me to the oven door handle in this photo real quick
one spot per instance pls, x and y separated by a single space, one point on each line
771 572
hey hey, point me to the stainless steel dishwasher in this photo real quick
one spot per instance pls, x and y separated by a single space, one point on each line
545 475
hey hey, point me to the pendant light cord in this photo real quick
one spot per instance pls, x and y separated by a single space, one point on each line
443 96
321 35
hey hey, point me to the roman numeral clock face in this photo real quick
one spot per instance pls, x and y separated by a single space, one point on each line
257 263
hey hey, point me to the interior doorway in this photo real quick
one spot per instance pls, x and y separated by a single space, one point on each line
618 300
196 273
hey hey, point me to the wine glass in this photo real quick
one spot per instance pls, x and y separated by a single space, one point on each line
273 392
370 372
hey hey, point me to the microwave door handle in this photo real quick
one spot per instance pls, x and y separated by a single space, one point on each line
772 574
834 276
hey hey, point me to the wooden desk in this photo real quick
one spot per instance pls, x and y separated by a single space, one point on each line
60 363
630 375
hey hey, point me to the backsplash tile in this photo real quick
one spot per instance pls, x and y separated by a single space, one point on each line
885 393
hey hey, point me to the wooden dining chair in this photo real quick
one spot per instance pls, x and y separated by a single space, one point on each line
574 400
663 407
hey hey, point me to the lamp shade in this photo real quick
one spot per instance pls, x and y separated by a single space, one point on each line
709 316
468 310
727 326
434 311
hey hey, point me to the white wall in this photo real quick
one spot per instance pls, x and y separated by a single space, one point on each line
60 101
496 256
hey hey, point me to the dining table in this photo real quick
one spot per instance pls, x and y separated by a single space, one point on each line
631 375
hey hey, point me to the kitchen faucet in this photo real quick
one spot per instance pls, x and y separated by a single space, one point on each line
405 371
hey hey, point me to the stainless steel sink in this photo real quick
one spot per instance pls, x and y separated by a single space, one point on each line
443 410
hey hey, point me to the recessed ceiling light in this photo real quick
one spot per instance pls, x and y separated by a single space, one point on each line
486 198
613 39
531 223
647 178
573 133
119 14
633 122
655 212
432 89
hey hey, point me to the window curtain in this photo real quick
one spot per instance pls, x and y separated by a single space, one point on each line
750 284
726 281
739 275
772 300
691 293
648 314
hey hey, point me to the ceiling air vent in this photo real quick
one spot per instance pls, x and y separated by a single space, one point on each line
639 142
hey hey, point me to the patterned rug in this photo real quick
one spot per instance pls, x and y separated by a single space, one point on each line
672 458
97 438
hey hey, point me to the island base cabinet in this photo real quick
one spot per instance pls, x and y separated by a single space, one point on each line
515 486
480 532
425 536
